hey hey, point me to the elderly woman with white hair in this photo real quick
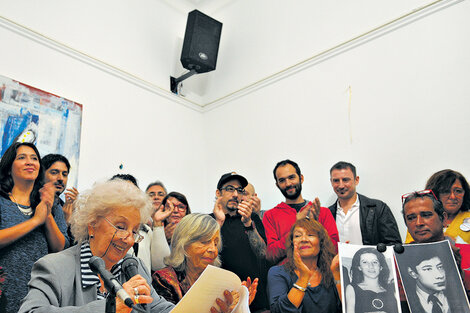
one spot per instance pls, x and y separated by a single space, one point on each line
195 245
105 224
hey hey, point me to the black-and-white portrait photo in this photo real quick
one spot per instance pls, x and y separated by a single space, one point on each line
368 280
431 279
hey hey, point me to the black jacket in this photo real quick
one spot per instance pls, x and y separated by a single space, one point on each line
377 222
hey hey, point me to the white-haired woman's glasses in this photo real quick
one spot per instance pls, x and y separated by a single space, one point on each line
123 234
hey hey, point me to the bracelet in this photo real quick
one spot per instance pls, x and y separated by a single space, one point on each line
300 288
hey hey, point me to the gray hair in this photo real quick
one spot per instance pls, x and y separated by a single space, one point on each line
156 183
193 227
103 198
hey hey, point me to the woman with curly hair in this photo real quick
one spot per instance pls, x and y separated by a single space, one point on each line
306 282
370 290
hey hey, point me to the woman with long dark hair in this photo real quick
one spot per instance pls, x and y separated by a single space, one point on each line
370 290
30 225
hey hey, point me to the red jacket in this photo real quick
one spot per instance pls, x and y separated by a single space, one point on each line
278 222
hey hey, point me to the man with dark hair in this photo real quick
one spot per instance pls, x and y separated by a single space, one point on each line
243 240
278 221
127 177
428 271
360 220
424 217
56 171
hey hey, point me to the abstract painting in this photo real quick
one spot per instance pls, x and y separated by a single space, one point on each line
52 123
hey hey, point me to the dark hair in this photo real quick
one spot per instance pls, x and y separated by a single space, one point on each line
358 276
156 183
6 181
51 158
180 197
423 255
127 177
437 204
342 165
442 181
325 256
284 163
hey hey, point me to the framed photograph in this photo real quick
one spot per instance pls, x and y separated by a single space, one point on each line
431 278
368 279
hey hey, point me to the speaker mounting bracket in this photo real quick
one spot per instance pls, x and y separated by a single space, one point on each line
175 81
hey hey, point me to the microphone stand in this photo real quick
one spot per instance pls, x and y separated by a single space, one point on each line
110 303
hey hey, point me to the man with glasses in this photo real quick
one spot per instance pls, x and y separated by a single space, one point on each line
280 219
360 220
243 240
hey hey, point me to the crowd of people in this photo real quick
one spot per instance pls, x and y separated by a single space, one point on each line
286 256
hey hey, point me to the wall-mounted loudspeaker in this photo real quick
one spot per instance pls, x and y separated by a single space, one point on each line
201 42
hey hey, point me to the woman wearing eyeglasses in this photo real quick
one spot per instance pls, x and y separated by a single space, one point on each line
174 207
30 225
177 204
452 189
105 224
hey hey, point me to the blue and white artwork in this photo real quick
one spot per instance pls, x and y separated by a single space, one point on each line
51 122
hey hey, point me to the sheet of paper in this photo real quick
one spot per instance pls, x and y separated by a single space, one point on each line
209 286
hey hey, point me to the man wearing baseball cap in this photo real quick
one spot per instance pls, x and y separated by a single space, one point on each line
243 239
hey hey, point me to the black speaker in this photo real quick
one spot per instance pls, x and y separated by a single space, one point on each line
201 42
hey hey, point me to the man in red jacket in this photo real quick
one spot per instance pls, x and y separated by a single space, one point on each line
278 221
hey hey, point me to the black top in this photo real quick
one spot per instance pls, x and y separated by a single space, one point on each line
237 256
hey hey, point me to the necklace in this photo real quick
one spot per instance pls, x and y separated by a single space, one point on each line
26 211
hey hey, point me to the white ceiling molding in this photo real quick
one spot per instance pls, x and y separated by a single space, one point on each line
206 6
342 47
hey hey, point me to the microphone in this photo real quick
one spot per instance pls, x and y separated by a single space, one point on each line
110 282
130 267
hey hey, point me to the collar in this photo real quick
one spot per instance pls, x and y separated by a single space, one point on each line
425 296
89 278
284 205
355 205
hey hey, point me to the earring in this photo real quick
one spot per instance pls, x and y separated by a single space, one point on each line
91 236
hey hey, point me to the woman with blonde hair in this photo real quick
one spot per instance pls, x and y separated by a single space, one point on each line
195 245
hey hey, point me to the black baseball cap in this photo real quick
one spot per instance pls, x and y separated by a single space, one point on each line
230 176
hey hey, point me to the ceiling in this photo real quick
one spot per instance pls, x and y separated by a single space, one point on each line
207 6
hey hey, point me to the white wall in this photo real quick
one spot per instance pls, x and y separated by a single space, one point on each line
153 137
409 95
409 115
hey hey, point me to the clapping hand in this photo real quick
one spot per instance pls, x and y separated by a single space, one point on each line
245 209
162 213
252 288
225 306
311 210
219 212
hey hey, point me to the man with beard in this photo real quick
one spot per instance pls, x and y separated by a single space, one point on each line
243 240
360 220
57 169
279 220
